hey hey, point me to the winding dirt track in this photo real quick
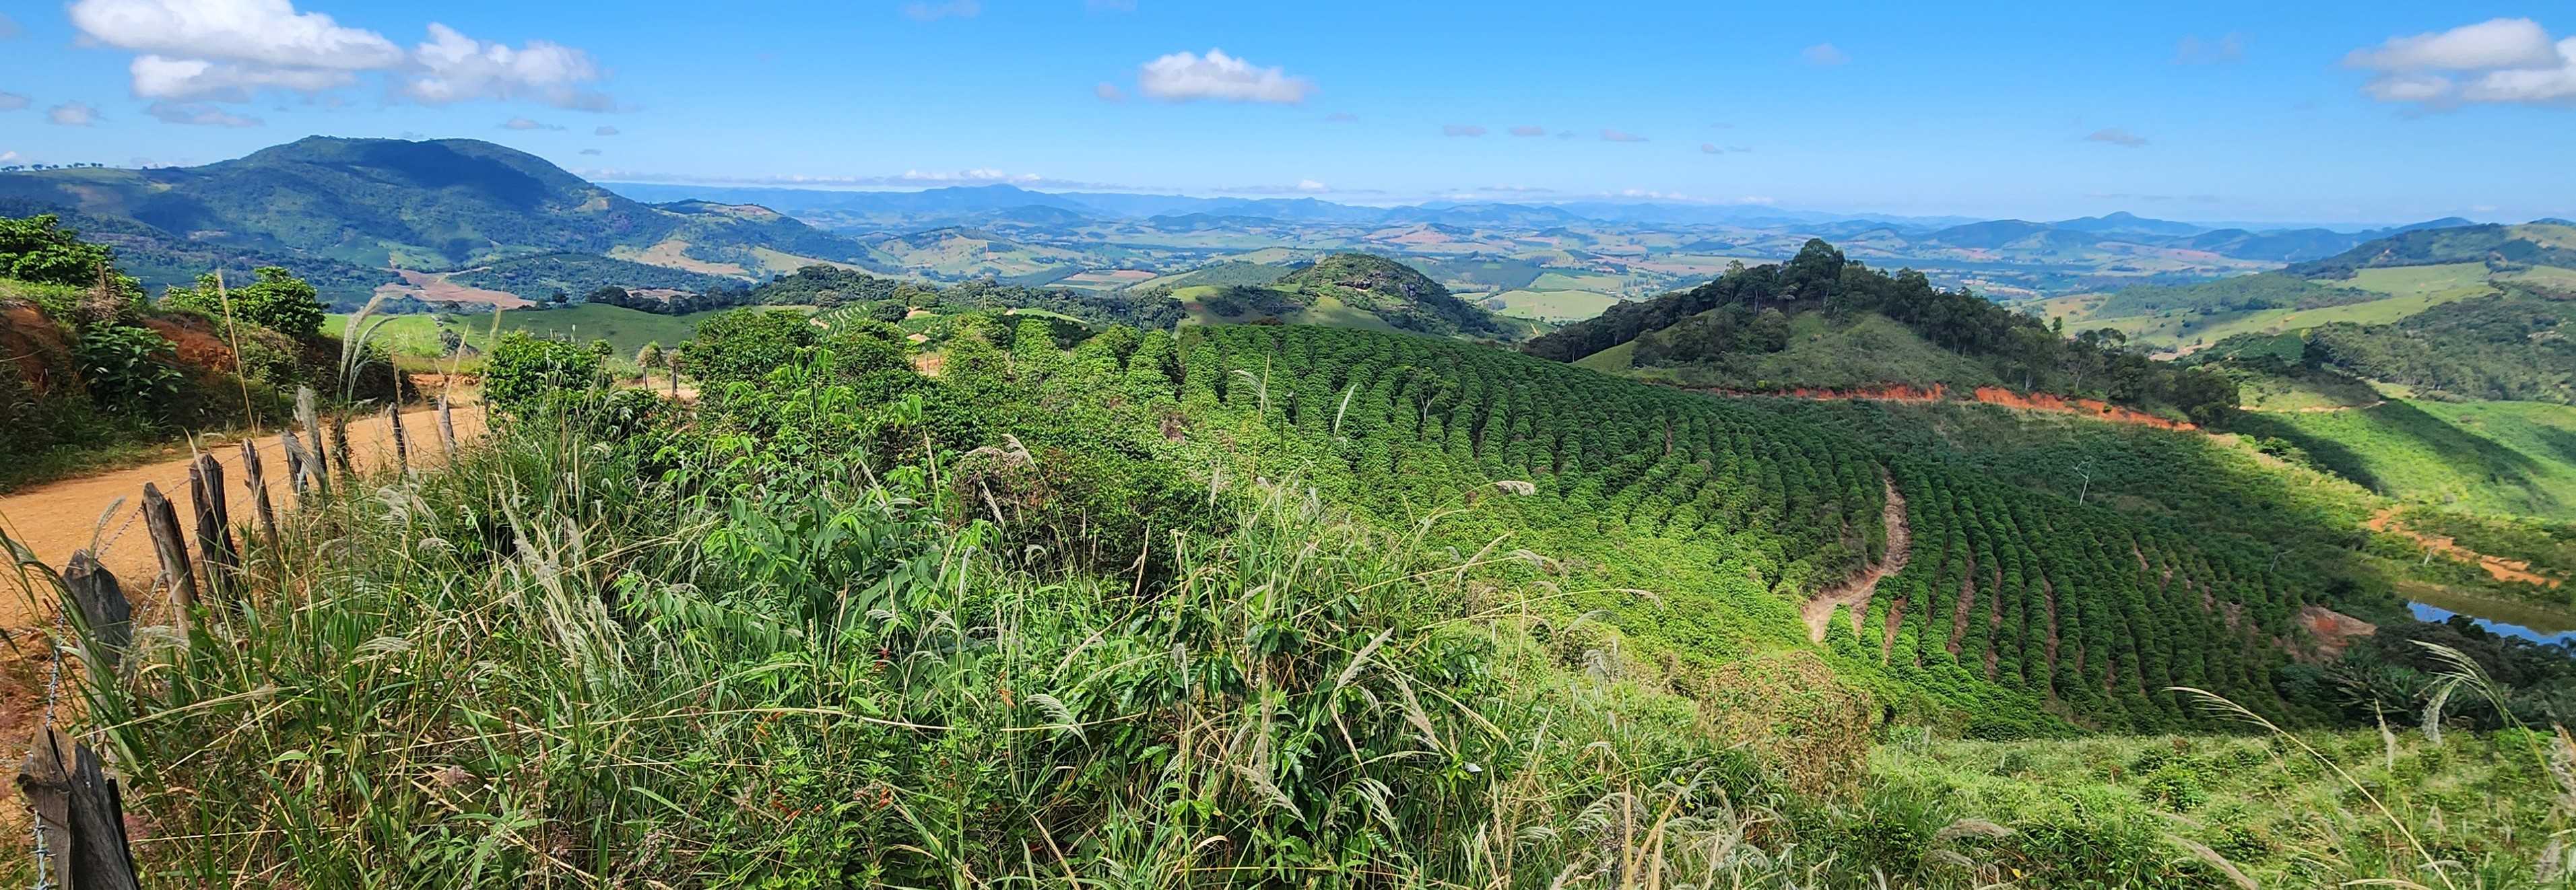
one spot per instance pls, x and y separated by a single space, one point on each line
1854 592
57 518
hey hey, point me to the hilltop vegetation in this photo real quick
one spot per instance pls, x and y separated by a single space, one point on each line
1737 332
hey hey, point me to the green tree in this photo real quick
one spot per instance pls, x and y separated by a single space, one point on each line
746 344
275 299
524 371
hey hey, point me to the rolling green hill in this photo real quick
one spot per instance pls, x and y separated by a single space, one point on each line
2530 244
1820 321
1353 290
433 205
2509 458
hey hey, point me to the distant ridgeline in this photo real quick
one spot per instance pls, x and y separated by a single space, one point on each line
2003 604
2510 345
1721 333
2541 243
833 287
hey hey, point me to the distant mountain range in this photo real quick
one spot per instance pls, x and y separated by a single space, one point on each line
427 218
348 211
955 205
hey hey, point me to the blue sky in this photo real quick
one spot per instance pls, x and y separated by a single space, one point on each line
2357 111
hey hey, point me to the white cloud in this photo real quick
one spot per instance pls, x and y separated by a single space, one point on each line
521 123
2499 61
198 115
2495 43
1529 131
1309 185
2408 87
2192 50
931 12
1109 92
227 50
1183 76
1620 136
10 157
979 174
2116 136
604 131
72 114
2555 86
159 77
262 32
1469 130
13 101
1824 54
452 67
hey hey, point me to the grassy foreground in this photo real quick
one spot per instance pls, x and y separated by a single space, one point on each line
804 636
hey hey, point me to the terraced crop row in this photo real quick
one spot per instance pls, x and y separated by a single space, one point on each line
2093 613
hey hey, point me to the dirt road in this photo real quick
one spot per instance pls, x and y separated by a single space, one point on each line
57 518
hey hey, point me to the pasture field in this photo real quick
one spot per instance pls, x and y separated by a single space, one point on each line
1554 305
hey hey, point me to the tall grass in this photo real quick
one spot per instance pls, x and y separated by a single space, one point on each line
546 666
613 648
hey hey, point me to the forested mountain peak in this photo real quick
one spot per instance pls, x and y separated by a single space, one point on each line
1819 321
330 204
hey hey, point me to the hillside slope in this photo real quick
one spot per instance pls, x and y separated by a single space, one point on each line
1354 290
434 205
2530 244
1820 321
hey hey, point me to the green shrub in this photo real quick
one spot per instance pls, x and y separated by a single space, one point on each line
127 368
275 299
745 344
524 372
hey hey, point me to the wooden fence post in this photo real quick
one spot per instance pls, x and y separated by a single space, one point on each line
299 463
163 523
402 441
80 816
304 412
107 617
256 476
214 524
446 427
340 445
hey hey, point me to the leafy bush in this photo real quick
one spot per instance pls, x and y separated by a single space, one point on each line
745 344
39 249
127 368
523 373
275 299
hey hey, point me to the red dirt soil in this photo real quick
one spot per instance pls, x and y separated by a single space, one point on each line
28 338
57 518
1992 395
2498 567
2334 630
